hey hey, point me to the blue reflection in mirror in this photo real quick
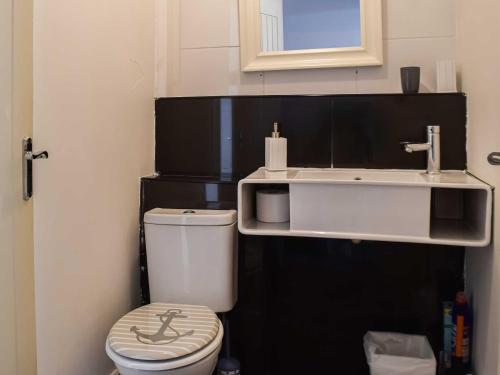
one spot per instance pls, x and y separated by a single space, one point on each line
289 25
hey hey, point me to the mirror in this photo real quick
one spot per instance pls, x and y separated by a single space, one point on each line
305 34
290 25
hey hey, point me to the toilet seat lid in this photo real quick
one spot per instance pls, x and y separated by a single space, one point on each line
162 331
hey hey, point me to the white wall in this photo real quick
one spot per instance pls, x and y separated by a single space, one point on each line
204 52
93 112
478 55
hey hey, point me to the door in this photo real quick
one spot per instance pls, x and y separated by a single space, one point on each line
478 55
17 322
93 64
7 285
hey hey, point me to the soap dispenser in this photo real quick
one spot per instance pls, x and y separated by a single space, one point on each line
276 148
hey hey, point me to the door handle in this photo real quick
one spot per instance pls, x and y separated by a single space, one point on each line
494 158
28 157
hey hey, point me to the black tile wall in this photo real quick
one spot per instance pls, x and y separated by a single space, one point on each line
305 121
217 136
368 130
187 141
225 136
304 304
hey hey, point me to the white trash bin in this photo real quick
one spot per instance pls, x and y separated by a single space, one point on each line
398 354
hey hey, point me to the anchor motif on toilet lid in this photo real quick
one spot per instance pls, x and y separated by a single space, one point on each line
162 331
160 338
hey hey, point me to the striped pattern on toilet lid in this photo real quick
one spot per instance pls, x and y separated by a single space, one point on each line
162 331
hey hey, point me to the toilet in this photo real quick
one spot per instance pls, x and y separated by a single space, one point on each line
192 258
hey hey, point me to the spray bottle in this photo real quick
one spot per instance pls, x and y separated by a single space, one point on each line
462 326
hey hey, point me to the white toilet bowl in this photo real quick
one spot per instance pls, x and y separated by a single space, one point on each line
192 340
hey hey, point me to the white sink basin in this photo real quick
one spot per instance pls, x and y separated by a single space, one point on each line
363 202
452 179
451 208
362 175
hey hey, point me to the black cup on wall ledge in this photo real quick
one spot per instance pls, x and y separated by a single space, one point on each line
410 79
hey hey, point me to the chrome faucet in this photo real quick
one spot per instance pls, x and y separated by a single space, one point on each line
433 148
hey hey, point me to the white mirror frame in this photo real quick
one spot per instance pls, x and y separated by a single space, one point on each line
370 53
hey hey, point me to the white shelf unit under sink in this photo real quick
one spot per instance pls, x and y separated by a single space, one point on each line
453 208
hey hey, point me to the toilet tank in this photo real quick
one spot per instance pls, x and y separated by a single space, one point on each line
192 257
